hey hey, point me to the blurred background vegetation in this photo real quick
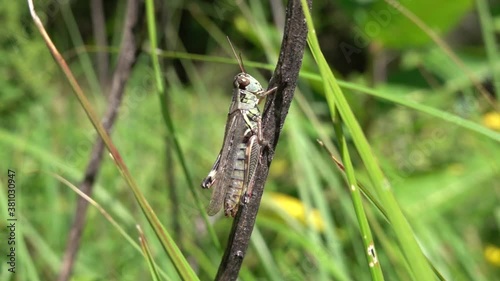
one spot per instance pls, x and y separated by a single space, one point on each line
445 176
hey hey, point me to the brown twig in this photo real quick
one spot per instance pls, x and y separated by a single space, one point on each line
276 108
129 50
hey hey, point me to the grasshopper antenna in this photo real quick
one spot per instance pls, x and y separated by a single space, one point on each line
238 57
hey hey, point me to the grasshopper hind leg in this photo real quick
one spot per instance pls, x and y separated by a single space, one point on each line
252 154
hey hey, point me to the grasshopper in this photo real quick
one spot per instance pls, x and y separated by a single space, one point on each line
234 169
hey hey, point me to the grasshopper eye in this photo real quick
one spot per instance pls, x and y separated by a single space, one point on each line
242 82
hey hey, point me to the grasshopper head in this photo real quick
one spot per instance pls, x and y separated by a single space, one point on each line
244 81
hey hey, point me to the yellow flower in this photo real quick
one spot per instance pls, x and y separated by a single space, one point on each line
492 255
492 120
296 209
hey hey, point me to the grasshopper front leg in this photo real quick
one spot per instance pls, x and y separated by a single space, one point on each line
263 142
265 93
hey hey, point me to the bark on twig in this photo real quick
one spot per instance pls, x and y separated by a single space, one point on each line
276 108
129 50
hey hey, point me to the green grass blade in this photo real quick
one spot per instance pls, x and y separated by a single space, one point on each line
167 242
149 257
452 118
168 120
419 266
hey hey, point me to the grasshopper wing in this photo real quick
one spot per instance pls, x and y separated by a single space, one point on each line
223 166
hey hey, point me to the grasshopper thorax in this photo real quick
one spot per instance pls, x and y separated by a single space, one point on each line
246 82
